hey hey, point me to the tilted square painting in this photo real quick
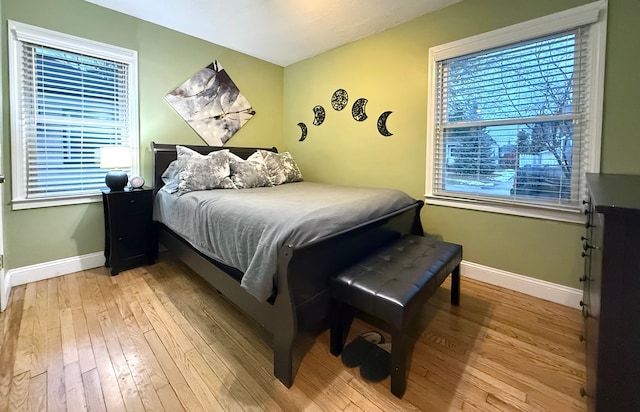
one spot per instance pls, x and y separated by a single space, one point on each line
211 103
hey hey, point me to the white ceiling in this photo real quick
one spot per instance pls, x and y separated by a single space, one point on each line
278 31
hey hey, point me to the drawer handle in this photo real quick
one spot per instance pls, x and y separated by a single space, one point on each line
586 246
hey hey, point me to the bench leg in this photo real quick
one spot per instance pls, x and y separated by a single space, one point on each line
398 364
341 318
455 286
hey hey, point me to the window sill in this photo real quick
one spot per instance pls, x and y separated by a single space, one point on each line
22 204
523 211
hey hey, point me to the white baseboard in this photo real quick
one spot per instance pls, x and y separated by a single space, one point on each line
47 270
553 292
6 289
563 295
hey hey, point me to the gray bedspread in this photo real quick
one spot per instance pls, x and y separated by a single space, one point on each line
246 228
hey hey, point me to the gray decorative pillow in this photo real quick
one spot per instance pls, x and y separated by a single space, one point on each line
281 167
171 178
248 173
199 172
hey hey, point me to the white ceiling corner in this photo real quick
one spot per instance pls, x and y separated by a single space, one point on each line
282 32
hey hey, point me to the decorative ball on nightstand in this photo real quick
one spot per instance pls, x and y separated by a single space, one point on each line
116 180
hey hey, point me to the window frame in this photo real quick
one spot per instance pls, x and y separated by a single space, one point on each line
21 32
592 14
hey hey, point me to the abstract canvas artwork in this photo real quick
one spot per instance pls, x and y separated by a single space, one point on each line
211 104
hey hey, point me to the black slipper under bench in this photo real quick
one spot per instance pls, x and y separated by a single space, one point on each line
391 285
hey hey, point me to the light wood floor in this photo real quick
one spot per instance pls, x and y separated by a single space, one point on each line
159 338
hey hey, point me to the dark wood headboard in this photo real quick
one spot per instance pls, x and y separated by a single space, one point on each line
163 154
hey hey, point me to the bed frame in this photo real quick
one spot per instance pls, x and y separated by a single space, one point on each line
301 296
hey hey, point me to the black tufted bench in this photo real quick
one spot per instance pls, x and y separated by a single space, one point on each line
391 285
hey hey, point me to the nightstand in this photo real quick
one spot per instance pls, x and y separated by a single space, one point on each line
128 229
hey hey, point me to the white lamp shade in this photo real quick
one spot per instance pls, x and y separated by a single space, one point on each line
115 157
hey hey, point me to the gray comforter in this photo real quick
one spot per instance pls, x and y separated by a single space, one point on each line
246 228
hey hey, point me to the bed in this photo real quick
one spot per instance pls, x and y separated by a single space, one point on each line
297 266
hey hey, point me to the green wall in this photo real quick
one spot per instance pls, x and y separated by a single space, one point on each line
390 70
166 58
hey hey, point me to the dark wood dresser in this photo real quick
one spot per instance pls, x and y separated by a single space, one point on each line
611 300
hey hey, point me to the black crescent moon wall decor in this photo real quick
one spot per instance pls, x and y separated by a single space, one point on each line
358 110
382 124
339 99
318 115
303 127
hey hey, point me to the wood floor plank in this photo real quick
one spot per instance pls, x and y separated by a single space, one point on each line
93 304
127 385
134 299
22 362
125 357
72 297
147 356
74 388
177 345
178 382
11 319
56 391
169 399
138 367
38 392
160 338
68 333
83 341
19 394
40 326
93 391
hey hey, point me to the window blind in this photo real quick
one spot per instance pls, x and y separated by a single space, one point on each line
510 122
72 104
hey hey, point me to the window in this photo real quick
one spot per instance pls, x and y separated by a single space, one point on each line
69 97
514 116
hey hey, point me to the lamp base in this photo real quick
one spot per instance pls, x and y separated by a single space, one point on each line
116 180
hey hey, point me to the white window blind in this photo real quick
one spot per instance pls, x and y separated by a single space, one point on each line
513 124
71 103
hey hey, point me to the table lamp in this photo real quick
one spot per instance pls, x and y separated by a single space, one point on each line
115 158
